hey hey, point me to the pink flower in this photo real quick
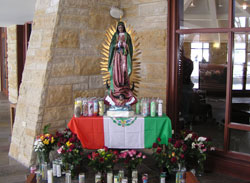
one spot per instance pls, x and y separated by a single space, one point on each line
139 155
143 157
158 139
89 156
130 153
204 150
133 152
59 151
182 156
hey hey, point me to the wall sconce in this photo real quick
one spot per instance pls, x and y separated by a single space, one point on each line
116 12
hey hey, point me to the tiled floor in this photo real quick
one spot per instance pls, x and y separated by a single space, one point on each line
13 172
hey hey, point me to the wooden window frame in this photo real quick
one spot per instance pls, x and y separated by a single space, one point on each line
172 74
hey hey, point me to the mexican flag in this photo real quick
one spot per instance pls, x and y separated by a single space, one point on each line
121 133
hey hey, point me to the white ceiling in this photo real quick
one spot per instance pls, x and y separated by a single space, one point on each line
16 11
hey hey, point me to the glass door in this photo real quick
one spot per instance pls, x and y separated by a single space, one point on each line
209 71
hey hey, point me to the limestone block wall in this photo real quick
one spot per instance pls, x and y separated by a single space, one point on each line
62 63
149 19
12 63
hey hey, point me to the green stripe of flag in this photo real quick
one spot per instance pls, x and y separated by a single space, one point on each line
155 127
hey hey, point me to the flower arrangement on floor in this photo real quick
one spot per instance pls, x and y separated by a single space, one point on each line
70 150
175 154
44 144
197 150
131 158
159 154
103 160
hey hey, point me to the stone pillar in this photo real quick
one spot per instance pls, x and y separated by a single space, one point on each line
12 63
62 63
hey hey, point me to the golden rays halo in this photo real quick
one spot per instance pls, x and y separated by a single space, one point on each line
136 63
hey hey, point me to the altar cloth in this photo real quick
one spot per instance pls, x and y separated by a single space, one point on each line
122 133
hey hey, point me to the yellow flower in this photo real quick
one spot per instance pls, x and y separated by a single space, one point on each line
68 143
42 137
47 135
46 141
52 140
173 154
169 155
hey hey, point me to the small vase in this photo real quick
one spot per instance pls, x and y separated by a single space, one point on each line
200 169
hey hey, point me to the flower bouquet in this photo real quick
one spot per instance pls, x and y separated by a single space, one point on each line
175 154
70 150
197 149
44 143
159 154
103 160
131 158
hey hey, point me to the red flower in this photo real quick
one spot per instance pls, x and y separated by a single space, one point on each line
72 139
154 145
126 161
158 150
170 140
177 144
158 139
116 152
173 159
89 156
105 148
182 156
59 144
58 134
72 146
184 147
208 139
63 151
194 136
101 160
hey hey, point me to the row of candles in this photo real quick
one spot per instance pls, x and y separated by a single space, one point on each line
96 107
47 174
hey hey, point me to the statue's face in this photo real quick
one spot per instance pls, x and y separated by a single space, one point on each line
120 28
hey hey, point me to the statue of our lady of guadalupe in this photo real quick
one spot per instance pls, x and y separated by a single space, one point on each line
120 69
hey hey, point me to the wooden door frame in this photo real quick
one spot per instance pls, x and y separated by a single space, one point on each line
5 91
23 35
233 163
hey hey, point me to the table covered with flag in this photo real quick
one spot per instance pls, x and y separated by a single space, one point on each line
122 133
